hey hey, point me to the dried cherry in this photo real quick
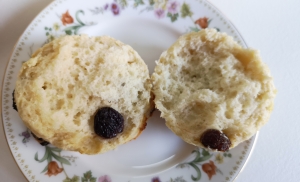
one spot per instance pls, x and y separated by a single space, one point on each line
215 139
108 122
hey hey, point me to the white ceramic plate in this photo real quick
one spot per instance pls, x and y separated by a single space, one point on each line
150 27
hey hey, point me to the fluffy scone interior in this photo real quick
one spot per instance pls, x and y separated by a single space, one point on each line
205 80
59 90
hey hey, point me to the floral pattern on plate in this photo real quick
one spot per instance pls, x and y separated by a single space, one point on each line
66 17
68 26
52 156
162 9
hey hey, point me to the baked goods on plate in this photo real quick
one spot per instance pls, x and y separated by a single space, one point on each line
86 94
212 92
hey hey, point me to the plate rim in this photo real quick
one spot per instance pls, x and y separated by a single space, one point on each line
2 86
1 100
254 138
257 133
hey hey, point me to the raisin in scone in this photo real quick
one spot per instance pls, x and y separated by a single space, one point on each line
212 92
86 94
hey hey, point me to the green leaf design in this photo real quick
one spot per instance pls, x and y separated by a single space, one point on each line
204 158
46 28
46 155
182 165
138 2
219 171
217 29
88 174
70 28
197 155
55 149
74 179
88 177
185 10
47 33
68 32
151 2
208 22
76 29
49 159
205 152
197 178
77 16
36 156
49 153
123 3
45 169
225 155
229 155
51 38
194 29
67 180
177 179
173 16
60 159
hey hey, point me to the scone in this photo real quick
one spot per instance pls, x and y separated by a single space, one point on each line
86 94
212 92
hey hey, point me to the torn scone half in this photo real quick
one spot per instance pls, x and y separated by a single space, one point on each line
212 92
85 94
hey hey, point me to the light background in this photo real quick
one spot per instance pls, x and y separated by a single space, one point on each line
272 26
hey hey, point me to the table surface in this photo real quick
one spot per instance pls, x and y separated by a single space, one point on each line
272 26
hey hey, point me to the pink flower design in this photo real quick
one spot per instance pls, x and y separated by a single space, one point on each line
25 134
160 13
115 8
104 178
173 7
106 6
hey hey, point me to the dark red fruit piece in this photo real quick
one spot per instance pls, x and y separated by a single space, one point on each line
108 122
14 101
215 139
40 140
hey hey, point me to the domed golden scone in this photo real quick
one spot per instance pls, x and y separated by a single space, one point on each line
67 81
212 92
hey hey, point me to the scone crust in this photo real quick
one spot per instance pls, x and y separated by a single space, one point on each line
206 80
59 90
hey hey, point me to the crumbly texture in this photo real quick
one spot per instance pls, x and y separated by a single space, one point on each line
60 89
205 80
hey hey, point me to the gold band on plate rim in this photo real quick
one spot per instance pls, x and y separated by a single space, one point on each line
14 47
4 76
